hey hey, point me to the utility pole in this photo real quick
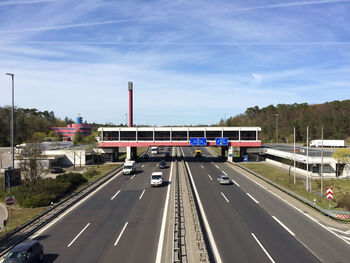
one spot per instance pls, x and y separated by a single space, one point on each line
321 160
307 159
294 157
276 115
12 129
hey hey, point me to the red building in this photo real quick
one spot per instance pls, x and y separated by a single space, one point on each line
69 132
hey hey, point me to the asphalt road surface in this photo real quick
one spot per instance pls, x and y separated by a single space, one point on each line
250 224
119 223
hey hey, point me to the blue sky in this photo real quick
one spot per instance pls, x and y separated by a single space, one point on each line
192 62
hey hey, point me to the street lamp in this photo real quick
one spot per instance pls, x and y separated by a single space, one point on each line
276 115
12 122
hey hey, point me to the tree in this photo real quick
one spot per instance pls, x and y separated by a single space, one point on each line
38 137
342 156
31 164
77 138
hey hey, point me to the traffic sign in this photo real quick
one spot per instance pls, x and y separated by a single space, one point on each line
223 141
329 193
198 141
10 200
245 158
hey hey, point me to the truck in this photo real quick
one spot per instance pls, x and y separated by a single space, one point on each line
129 167
154 150
327 143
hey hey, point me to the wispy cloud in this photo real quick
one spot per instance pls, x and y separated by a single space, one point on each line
176 54
28 2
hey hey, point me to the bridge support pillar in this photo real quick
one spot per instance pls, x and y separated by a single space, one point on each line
223 152
116 154
131 153
230 154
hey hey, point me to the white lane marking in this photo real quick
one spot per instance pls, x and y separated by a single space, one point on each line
340 231
253 198
212 163
286 228
217 166
73 207
347 238
311 218
142 166
233 181
205 220
210 177
142 194
297 209
120 235
78 235
162 229
202 166
132 177
115 195
224 172
225 197
262 247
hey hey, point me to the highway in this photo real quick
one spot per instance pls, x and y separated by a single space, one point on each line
250 224
119 222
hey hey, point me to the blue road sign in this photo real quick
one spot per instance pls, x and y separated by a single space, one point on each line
245 158
202 141
194 141
223 141
198 141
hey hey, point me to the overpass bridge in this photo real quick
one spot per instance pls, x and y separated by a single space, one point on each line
131 137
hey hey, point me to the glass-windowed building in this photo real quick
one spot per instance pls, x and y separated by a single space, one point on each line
69 132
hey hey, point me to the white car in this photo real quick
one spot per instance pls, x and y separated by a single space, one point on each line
157 179
223 179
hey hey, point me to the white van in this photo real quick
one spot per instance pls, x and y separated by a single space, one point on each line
129 167
157 179
154 150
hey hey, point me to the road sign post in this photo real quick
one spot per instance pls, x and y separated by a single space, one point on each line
10 200
329 197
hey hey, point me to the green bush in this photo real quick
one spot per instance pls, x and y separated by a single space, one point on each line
91 172
47 190
344 201
75 178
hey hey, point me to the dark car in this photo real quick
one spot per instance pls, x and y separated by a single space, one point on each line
56 170
162 164
145 156
28 251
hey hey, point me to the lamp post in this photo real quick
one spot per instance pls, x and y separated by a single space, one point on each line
12 122
276 115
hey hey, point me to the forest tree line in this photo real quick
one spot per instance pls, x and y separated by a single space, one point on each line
334 116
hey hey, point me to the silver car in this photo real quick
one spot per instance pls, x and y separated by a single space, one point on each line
223 179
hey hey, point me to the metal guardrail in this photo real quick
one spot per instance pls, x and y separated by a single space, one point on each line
23 232
336 214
